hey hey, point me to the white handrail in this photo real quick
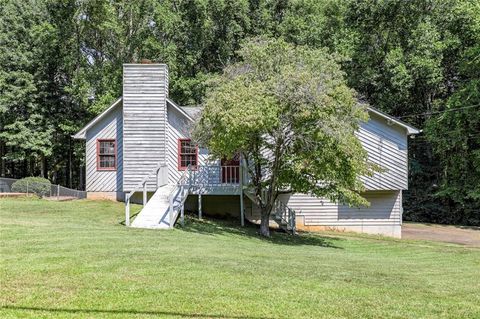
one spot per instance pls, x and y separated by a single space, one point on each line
179 189
145 179
143 184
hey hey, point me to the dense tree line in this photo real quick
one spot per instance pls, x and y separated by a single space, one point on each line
61 64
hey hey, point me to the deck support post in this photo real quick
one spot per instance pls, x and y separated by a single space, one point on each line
182 215
242 213
199 205
240 174
144 194
170 211
127 210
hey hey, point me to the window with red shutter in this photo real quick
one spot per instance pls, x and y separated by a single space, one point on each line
106 155
187 154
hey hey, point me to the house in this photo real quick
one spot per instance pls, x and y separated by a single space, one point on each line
139 150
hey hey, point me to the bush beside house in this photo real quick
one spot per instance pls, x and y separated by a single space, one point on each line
38 185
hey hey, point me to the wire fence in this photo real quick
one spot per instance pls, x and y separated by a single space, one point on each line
12 186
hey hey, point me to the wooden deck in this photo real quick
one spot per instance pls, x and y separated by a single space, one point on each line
215 180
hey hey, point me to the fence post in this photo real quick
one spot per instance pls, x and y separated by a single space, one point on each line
27 187
58 192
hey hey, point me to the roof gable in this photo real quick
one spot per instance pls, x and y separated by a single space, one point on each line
82 133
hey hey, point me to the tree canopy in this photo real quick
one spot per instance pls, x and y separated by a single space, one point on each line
290 115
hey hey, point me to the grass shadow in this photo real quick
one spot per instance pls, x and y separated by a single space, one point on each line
129 312
477 228
132 217
466 227
229 226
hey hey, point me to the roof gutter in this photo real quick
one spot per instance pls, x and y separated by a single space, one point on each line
392 120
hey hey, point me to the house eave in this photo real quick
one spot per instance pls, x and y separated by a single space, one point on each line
392 120
179 108
81 135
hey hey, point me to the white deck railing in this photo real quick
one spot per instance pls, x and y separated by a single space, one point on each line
215 175
179 193
285 216
206 176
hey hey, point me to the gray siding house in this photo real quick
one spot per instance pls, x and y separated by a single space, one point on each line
139 150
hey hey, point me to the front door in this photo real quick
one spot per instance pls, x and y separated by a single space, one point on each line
230 171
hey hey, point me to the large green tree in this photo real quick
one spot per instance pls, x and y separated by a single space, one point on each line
406 58
25 39
455 135
289 113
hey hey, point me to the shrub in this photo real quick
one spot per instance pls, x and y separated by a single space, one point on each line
38 185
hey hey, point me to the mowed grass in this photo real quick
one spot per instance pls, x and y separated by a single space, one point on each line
76 259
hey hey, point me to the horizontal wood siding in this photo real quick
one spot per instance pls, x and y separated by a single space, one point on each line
385 209
109 127
386 146
178 126
145 89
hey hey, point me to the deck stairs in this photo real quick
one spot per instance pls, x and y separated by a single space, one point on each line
162 210
156 213
282 215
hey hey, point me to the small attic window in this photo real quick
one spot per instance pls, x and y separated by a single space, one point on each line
106 155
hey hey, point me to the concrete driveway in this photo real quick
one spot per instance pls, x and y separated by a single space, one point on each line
463 235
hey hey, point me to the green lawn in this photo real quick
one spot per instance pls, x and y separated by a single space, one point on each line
76 259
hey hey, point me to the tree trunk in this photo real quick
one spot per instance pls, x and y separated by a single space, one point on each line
42 166
33 166
80 179
12 165
45 167
25 168
70 172
3 164
264 224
